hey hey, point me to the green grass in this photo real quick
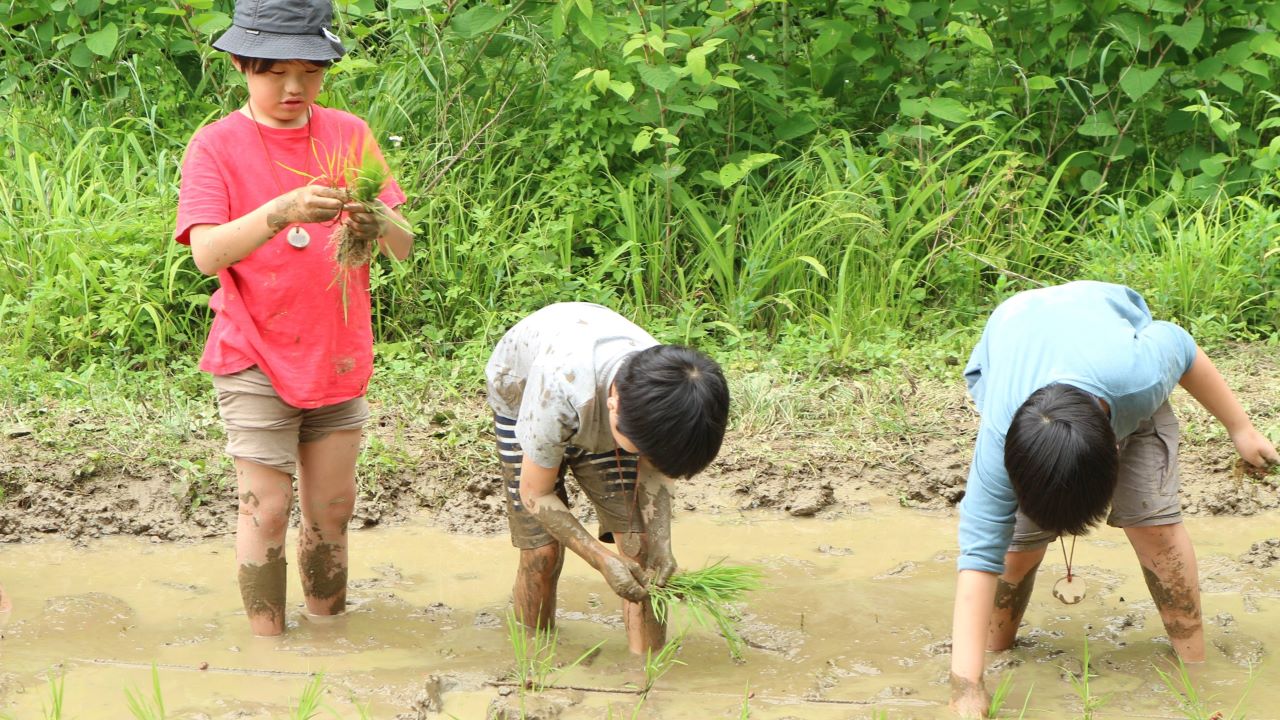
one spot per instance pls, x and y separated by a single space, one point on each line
1192 704
147 708
534 650
1080 683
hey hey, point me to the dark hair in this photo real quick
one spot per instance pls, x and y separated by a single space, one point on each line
673 403
1061 456
254 65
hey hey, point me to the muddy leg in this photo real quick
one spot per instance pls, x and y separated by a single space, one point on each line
1169 567
534 595
327 493
644 633
1013 593
266 496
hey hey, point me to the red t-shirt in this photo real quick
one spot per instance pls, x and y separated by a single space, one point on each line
281 308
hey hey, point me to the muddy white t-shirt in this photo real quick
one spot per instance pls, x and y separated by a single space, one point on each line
552 373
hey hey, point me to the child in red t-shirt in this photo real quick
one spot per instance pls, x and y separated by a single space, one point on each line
291 347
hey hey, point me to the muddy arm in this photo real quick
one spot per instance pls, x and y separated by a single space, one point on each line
1204 383
538 495
656 494
975 597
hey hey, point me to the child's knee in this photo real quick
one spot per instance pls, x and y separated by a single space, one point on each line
269 514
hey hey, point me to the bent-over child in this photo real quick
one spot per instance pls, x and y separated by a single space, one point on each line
1072 383
576 386
290 348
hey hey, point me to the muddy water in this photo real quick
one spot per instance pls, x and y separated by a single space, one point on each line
855 621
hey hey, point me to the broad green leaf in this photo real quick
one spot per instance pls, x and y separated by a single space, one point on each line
351 64
1063 8
707 103
1215 165
1091 180
863 48
1137 83
1130 28
914 107
1041 82
658 77
979 37
103 42
1257 67
633 44
85 8
477 21
687 109
915 50
794 127
600 79
730 174
1271 11
622 89
643 141
1266 43
585 7
81 55
901 8
826 41
1168 6
594 28
583 73
756 160
1232 80
1187 35
727 81
1097 126
211 23
948 109
671 172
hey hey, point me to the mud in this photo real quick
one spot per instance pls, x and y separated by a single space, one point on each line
1263 554
324 573
262 587
424 636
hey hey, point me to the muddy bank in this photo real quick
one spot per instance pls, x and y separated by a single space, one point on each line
808 450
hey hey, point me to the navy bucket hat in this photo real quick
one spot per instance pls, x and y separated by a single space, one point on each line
282 30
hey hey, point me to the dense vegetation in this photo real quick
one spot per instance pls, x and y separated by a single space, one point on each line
826 174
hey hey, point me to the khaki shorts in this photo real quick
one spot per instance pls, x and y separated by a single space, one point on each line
608 479
1146 489
263 429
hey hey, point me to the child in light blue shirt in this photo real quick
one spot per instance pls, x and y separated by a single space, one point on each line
1072 383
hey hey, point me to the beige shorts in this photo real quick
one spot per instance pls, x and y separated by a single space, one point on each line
1146 489
608 479
263 429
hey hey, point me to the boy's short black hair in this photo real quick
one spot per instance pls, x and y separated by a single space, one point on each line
673 403
255 65
1062 460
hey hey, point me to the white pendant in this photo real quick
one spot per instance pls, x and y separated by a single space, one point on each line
297 237
1069 591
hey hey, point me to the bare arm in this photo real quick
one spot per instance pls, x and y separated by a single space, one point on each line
214 247
975 596
1204 383
538 495
656 494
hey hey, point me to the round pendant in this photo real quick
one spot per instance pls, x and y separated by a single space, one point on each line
1069 591
297 237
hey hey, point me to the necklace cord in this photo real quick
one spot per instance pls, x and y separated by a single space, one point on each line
1069 560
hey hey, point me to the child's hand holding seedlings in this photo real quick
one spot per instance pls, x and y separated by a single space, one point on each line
367 221
624 575
307 204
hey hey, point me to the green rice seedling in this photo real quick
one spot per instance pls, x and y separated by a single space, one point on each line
1001 696
1089 703
707 593
745 712
308 706
54 711
1191 704
365 181
655 666
535 654
144 708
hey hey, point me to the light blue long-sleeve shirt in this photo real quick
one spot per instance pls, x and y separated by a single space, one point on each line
1095 336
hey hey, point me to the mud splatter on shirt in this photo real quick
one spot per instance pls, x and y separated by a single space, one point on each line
552 372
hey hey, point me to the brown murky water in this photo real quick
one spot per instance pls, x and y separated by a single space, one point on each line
854 622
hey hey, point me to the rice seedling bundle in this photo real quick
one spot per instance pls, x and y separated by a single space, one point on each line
364 183
708 594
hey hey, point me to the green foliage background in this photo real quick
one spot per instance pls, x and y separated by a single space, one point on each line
829 175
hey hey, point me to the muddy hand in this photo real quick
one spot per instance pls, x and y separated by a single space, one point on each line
309 203
625 577
366 221
661 569
1255 448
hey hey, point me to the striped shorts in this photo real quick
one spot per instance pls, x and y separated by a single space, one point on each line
607 478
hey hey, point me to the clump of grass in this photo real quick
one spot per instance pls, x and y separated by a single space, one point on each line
310 702
1001 696
1191 704
708 594
54 711
1080 683
143 708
